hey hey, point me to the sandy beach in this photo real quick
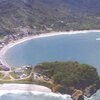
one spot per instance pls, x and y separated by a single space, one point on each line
10 45
16 88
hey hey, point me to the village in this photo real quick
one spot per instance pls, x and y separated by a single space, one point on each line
22 74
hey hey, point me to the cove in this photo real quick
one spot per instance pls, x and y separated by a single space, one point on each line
84 48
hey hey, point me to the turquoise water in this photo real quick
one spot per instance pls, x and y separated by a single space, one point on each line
79 47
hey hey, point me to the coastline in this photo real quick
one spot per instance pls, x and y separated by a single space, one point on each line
30 89
26 88
12 44
16 88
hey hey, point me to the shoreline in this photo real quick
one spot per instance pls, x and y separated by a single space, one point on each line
16 88
12 44
29 89
22 87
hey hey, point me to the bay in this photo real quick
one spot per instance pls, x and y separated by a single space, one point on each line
84 48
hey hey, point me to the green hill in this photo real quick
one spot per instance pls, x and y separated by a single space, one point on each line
67 75
58 15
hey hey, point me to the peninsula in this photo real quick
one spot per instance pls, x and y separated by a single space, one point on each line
68 77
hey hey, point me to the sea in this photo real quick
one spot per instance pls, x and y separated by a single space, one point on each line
42 96
84 48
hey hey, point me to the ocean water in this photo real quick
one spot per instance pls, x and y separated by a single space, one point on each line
84 48
42 96
34 96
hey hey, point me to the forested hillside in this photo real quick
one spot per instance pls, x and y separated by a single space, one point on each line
44 15
70 74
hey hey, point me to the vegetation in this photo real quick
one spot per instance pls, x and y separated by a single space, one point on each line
28 80
70 74
1 75
59 15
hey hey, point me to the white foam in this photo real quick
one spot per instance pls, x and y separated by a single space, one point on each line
65 97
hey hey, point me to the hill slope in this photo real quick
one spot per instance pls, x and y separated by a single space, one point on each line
42 14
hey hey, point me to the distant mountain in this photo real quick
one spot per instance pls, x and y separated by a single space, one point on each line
90 6
49 14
